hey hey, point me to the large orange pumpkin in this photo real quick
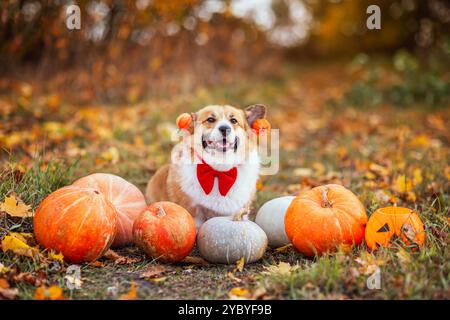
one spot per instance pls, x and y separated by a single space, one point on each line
126 198
79 222
325 218
386 224
165 231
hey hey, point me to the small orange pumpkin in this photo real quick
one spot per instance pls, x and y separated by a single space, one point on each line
184 121
261 126
387 224
78 222
325 218
165 231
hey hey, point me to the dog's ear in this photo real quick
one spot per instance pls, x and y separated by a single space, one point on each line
254 112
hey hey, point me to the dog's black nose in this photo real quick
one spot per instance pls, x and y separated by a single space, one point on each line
225 130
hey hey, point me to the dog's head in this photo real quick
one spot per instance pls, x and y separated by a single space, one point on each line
222 135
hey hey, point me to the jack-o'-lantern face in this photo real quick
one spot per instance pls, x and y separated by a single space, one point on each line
388 224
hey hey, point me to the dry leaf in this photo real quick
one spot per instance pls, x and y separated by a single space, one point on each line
285 248
153 271
49 293
157 280
29 278
240 265
239 293
402 184
6 292
131 295
56 257
97 264
195 260
119 259
18 246
283 268
4 269
15 207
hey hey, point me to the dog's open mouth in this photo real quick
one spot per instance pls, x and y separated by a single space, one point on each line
221 145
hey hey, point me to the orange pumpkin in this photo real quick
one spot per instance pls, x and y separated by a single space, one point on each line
166 231
325 218
261 126
184 121
78 222
387 224
126 198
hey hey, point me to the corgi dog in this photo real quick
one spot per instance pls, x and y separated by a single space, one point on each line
215 168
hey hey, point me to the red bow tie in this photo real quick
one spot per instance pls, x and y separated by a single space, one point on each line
206 175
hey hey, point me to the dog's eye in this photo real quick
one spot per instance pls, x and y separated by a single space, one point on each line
233 120
211 120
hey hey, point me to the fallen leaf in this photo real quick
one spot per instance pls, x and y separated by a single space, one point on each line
283 268
15 207
157 280
56 257
195 260
4 283
29 278
284 248
119 259
6 292
239 293
402 184
19 247
153 271
49 293
240 265
97 264
131 295
417 176
4 269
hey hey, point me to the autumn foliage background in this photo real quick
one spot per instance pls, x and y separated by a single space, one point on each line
365 108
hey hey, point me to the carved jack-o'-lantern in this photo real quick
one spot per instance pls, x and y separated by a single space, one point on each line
390 223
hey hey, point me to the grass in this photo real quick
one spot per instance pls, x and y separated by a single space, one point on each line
319 144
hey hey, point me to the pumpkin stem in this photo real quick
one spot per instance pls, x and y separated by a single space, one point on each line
326 203
161 212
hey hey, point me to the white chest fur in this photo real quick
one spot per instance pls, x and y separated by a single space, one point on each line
237 197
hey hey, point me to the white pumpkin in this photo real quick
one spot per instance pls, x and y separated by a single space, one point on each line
270 218
224 240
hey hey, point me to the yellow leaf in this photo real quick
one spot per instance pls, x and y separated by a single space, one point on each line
283 268
240 265
112 155
157 280
420 141
19 247
4 269
56 257
131 295
50 293
411 196
417 176
238 292
284 248
15 207
370 175
402 184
